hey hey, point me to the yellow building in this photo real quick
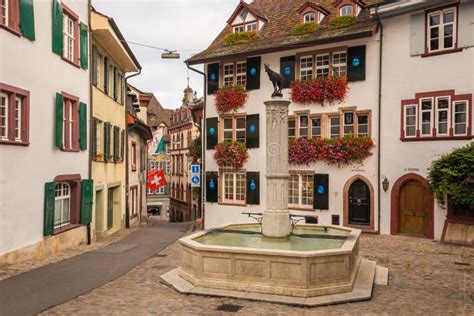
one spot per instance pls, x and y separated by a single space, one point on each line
111 60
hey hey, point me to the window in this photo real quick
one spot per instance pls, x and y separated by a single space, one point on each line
134 156
300 190
234 129
241 74
348 123
309 17
4 12
291 128
322 65
62 207
14 112
426 117
252 27
239 29
4 116
346 10
234 187
316 127
68 38
442 115
410 121
243 14
339 64
306 68
303 126
460 118
228 75
334 126
442 29
362 125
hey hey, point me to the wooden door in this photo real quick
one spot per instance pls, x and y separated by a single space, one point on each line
110 208
413 211
359 203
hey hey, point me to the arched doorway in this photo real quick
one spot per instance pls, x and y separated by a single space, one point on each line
359 203
412 207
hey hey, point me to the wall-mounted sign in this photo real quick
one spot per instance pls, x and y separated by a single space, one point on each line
212 131
356 62
196 181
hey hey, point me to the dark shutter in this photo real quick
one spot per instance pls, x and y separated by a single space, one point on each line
83 126
253 188
253 73
49 196
115 84
212 187
106 75
95 65
287 70
106 141
321 192
27 19
356 63
116 143
211 132
86 203
212 78
84 46
57 23
94 138
252 131
59 120
122 145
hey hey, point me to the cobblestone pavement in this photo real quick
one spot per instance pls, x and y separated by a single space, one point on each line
426 277
27 265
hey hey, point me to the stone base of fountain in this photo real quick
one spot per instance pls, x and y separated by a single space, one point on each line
276 224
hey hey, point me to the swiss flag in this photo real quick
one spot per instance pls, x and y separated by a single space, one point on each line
156 179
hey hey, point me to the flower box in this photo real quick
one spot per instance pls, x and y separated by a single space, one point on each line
321 90
231 154
230 99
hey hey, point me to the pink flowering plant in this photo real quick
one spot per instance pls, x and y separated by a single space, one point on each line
230 99
336 151
231 154
321 90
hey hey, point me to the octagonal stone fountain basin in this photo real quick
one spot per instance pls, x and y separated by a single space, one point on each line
315 261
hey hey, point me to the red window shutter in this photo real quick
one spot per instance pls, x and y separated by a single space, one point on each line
14 15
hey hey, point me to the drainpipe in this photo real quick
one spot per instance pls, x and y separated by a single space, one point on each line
203 141
379 120
89 235
127 208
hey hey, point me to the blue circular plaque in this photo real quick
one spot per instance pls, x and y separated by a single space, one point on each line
212 185
212 131
252 128
253 186
287 70
356 62
321 189
253 71
213 77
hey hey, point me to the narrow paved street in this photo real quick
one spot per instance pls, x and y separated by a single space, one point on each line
37 290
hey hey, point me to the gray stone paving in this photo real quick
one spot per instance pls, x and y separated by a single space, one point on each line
426 278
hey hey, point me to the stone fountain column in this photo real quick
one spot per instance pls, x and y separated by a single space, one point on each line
276 218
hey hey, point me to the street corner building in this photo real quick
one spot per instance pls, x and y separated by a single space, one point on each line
378 90
112 59
46 195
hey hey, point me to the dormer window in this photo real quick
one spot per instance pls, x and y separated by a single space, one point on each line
239 29
309 17
252 27
346 10
243 14
246 19
312 13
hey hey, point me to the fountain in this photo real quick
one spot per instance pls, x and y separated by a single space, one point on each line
276 260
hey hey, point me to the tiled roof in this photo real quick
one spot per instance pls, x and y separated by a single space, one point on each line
277 34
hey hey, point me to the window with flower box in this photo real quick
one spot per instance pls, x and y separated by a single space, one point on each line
437 115
14 115
241 74
228 75
322 65
235 74
334 126
306 68
316 126
319 64
234 187
291 128
310 17
346 10
251 27
303 126
234 128
300 191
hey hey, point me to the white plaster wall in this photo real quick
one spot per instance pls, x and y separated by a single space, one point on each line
24 170
403 76
362 94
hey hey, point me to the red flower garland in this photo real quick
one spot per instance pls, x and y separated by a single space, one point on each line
341 151
320 90
231 154
230 99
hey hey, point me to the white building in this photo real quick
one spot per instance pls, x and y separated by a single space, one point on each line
427 86
46 196
344 195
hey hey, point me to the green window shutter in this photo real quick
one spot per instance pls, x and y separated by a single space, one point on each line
27 19
83 126
86 204
57 23
49 196
94 138
84 46
59 120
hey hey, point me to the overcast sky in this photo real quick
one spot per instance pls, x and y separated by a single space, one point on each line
171 24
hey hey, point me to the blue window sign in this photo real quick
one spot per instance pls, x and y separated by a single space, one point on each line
356 62
212 131
252 128
253 186
213 77
321 189
212 185
253 71
287 70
